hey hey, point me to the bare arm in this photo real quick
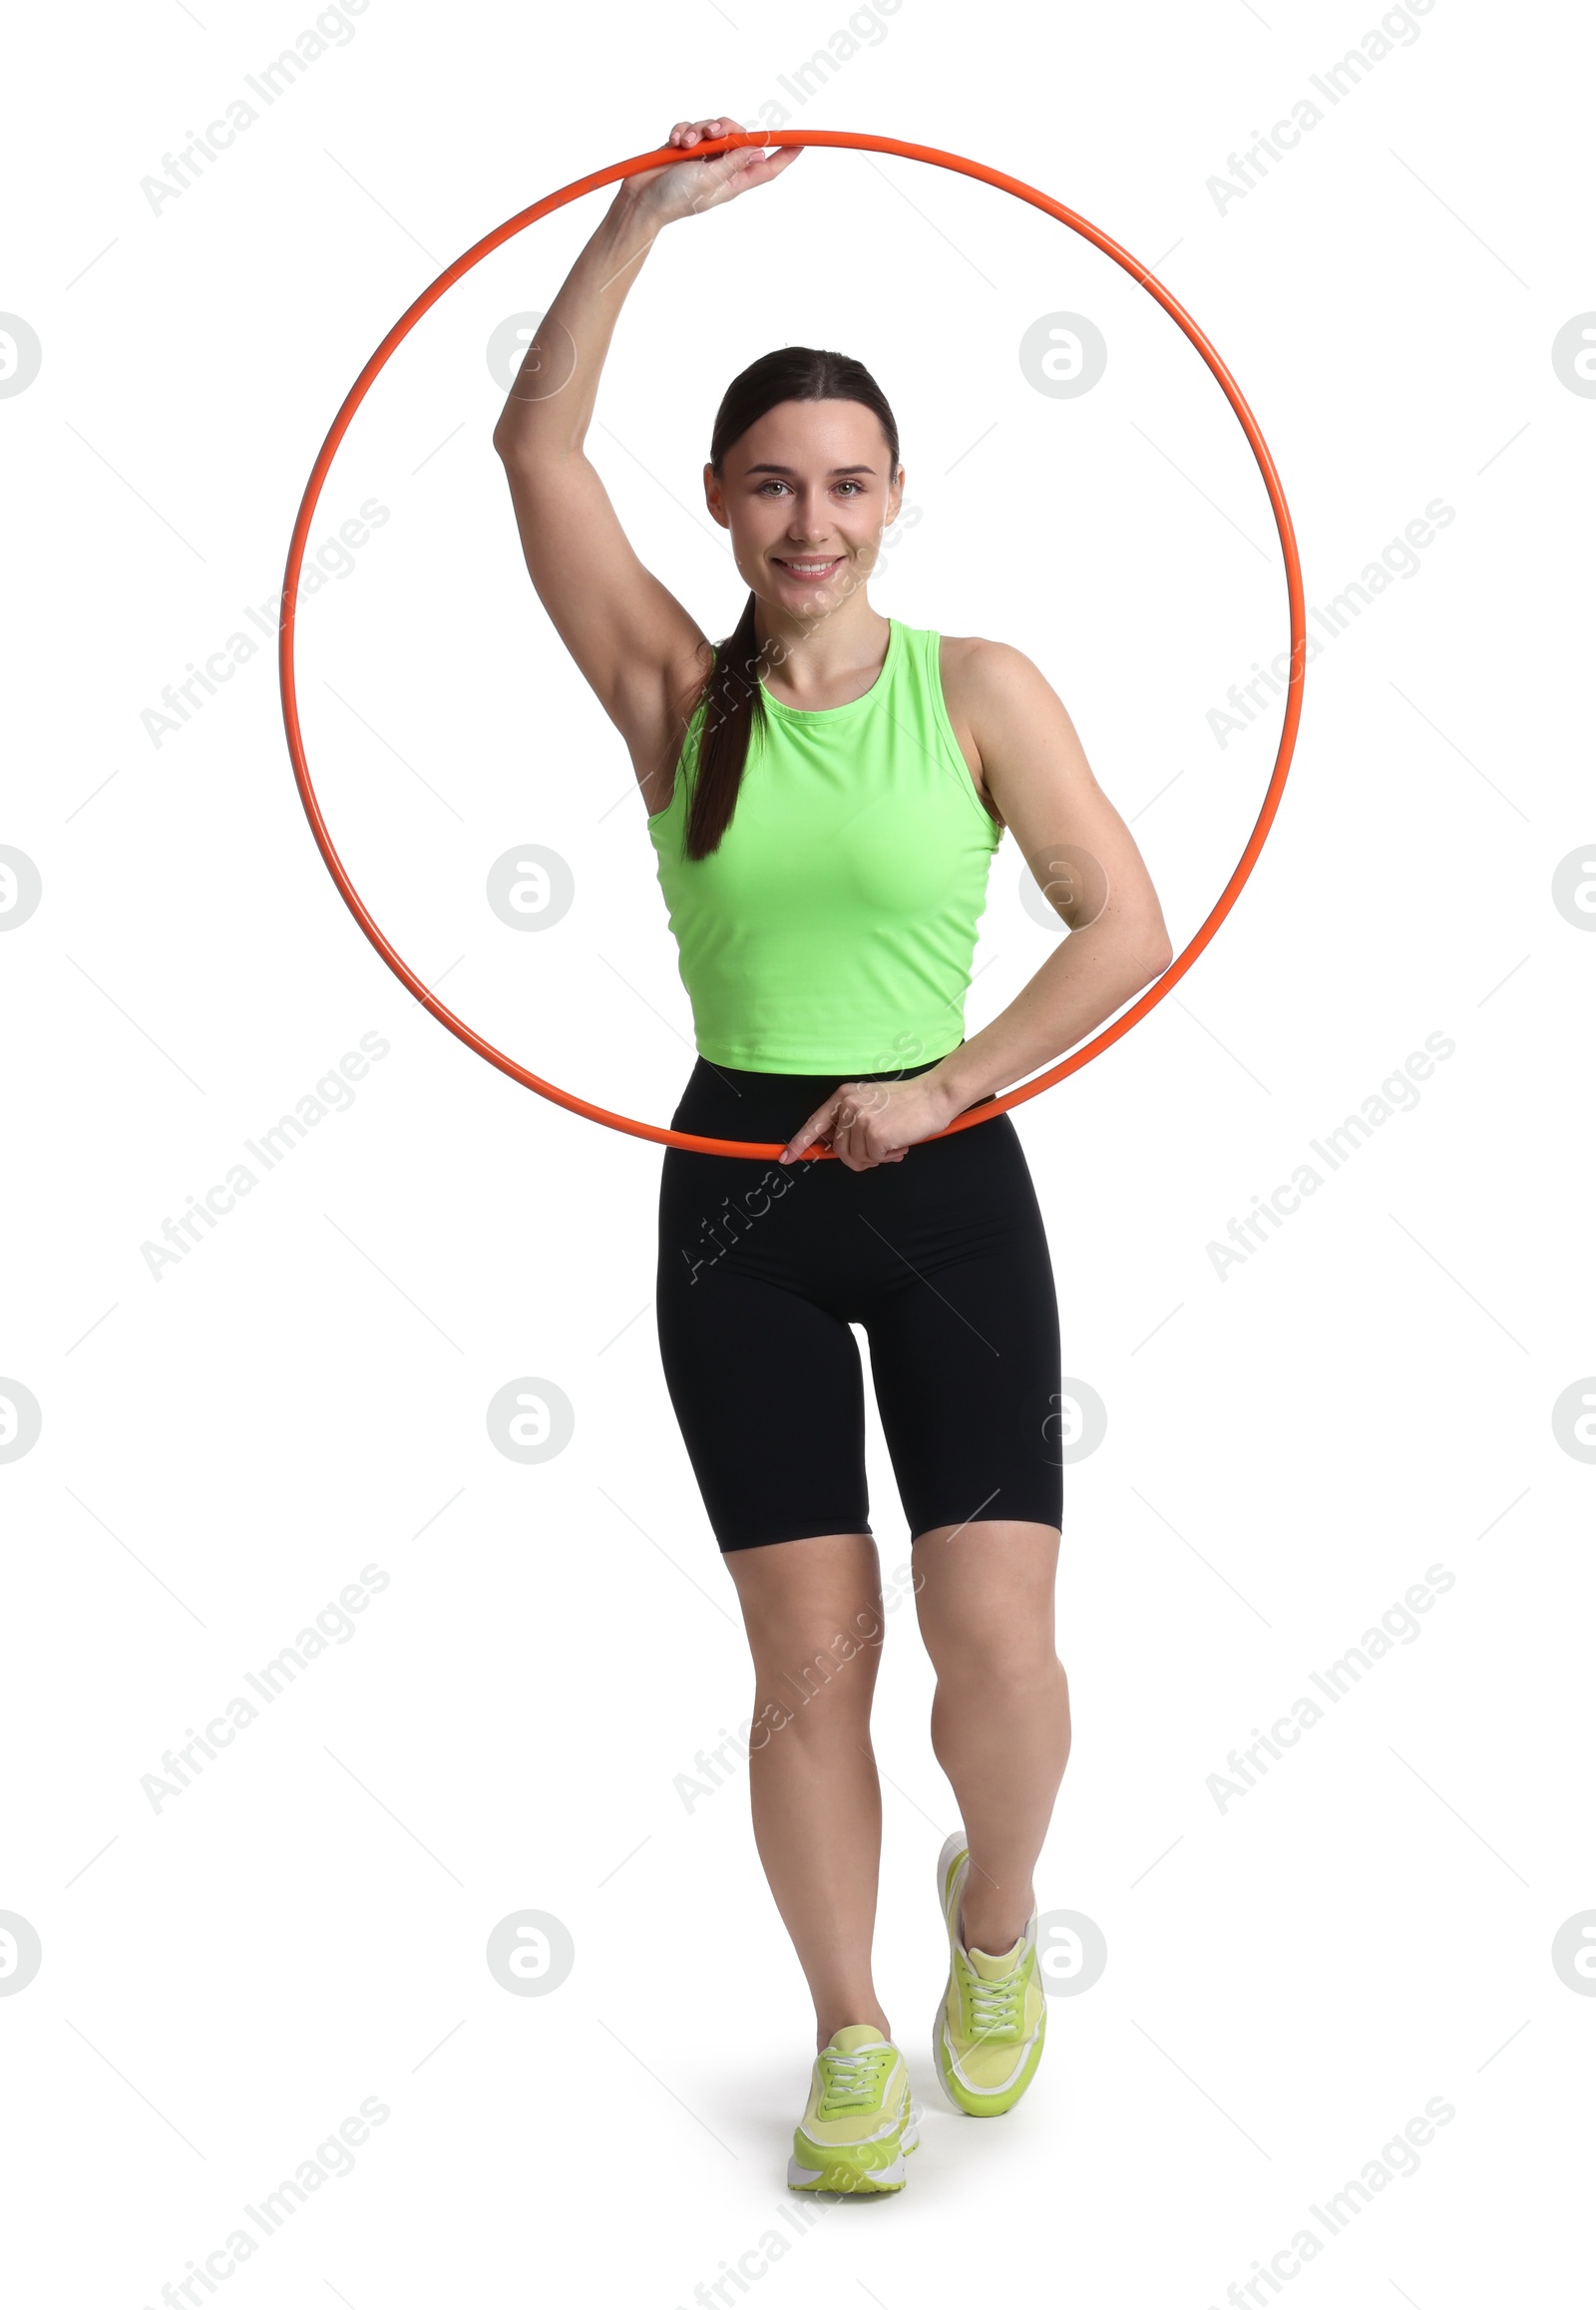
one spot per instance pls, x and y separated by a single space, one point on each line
1083 857
635 644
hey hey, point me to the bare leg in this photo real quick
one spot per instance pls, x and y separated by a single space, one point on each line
999 1723
812 1610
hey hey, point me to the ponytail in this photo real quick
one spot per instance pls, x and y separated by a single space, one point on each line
732 703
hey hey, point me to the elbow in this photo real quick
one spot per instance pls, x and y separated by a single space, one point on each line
1147 959
531 458
1154 952
510 435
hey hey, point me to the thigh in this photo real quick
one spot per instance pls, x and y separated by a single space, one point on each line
985 1596
811 1609
965 1342
765 1378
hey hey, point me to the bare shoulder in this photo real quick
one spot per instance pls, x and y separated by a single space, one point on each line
986 673
993 692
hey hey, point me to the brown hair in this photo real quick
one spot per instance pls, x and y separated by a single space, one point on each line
731 692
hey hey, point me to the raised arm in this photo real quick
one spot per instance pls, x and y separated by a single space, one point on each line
639 650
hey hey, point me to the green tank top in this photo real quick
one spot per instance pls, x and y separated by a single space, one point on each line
832 931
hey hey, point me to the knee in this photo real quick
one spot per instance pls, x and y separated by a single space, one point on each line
994 1654
827 1671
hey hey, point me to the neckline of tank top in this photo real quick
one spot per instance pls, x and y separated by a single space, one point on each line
849 705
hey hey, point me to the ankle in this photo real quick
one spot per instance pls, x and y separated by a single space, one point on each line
827 2026
994 1930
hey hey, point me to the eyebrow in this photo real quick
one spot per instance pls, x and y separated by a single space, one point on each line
787 469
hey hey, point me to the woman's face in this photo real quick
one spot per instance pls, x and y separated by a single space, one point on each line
806 493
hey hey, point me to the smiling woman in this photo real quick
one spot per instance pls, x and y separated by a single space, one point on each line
825 791
860 498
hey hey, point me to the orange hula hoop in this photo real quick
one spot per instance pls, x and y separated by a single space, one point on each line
662 156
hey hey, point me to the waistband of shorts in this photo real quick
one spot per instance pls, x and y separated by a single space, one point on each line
740 1103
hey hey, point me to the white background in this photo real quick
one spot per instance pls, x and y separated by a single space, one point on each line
225 1443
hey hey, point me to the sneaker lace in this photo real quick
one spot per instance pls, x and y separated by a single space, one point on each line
851 2081
995 2006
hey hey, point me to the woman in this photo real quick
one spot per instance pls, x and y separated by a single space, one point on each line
825 793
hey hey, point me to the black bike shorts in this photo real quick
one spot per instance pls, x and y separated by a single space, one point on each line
763 1267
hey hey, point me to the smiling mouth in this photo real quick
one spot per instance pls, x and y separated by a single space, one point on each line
806 568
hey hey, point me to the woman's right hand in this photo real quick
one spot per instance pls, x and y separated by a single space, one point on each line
683 187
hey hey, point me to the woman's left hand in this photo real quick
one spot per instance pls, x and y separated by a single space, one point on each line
869 1123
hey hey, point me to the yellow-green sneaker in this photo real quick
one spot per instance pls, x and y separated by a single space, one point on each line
993 2018
861 2121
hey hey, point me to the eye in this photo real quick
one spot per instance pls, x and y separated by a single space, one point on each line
775 482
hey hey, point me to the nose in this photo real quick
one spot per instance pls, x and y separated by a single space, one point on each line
810 520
